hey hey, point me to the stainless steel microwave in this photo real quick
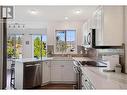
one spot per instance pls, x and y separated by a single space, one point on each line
89 39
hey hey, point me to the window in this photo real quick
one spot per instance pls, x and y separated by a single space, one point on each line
65 41
14 46
40 46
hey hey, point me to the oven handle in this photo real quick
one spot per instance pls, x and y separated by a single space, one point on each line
74 68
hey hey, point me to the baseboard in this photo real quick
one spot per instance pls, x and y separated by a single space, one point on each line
59 82
63 82
43 84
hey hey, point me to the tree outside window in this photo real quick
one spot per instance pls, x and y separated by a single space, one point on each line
65 41
39 46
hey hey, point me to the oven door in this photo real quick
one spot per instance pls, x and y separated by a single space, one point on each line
78 77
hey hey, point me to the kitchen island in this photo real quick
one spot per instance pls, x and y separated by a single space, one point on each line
28 72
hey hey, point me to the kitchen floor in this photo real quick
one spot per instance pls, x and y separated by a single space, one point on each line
57 87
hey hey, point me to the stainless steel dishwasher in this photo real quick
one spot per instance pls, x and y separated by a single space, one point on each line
32 76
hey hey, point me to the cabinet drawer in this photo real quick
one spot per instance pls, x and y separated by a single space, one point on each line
86 84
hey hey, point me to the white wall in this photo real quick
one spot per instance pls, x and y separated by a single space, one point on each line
125 38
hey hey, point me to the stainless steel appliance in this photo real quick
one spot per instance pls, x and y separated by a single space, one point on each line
32 75
89 39
78 73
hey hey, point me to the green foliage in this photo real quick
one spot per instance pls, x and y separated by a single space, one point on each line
13 46
10 48
37 48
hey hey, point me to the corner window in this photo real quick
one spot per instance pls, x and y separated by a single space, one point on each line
14 46
65 41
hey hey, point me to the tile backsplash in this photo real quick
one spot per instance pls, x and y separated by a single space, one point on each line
50 52
120 52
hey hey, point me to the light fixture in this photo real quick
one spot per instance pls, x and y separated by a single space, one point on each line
66 18
16 26
33 12
78 12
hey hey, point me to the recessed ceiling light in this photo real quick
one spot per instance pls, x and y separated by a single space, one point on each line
78 12
66 18
33 12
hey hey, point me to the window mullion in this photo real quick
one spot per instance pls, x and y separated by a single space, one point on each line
65 38
41 46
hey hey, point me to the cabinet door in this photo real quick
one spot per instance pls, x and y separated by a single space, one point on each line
67 71
56 71
97 23
85 31
46 72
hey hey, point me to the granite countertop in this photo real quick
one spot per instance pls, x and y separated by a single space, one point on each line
62 59
83 59
105 80
23 60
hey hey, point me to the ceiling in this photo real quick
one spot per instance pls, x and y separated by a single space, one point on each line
52 13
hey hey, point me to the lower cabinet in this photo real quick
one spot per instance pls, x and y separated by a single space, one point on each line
86 84
46 71
62 71
68 73
58 72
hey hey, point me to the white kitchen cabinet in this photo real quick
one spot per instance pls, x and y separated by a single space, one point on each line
108 22
85 31
62 71
56 71
46 72
86 83
97 24
68 72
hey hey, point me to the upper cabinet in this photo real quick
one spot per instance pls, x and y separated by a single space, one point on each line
97 23
108 22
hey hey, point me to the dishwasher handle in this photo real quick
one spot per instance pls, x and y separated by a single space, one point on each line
29 65
37 64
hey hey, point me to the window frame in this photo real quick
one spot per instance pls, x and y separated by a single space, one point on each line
75 52
15 38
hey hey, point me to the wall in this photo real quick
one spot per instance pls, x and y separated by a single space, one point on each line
1 51
125 38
